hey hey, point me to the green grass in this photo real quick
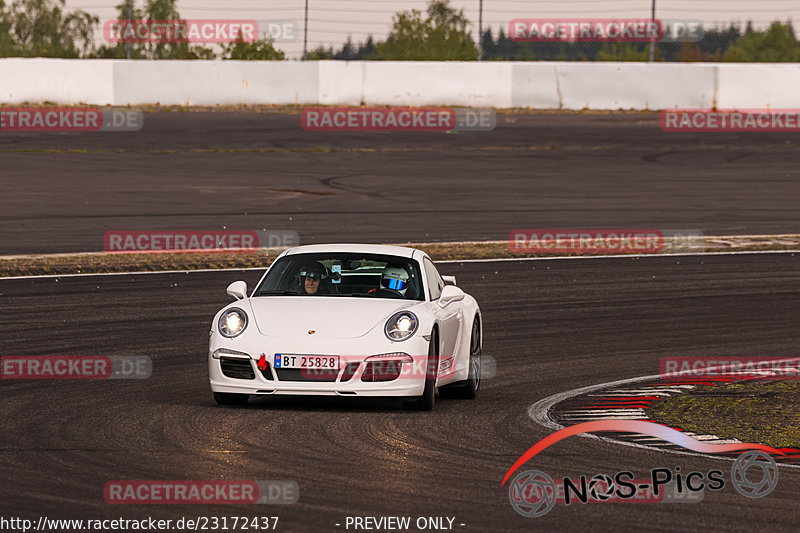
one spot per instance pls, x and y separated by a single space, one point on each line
765 412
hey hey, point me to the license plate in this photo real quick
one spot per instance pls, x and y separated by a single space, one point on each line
307 361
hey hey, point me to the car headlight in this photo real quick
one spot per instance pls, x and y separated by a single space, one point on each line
401 326
232 322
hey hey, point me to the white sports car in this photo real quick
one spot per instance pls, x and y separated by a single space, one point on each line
347 320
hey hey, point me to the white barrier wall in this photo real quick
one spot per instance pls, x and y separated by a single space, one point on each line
535 85
61 81
437 83
214 82
541 85
772 86
635 86
340 82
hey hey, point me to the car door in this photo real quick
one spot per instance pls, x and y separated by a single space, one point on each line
449 316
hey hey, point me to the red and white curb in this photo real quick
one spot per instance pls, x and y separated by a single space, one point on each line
630 399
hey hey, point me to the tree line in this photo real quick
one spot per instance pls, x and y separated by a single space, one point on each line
45 28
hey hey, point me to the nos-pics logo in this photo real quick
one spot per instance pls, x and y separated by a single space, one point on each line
533 493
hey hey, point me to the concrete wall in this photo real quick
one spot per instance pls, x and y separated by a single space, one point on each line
774 86
542 85
60 81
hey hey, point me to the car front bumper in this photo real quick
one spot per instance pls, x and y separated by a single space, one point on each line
239 374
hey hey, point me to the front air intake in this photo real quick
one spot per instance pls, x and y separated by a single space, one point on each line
236 368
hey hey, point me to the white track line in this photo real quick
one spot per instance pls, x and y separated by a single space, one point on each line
47 276
539 412
618 256
89 274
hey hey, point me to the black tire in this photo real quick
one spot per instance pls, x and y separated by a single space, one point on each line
469 389
428 398
225 398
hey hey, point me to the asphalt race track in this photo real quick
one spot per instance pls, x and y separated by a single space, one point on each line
250 170
552 326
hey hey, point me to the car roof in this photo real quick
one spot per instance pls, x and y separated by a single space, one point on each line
399 251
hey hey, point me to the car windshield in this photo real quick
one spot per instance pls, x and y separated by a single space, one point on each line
343 274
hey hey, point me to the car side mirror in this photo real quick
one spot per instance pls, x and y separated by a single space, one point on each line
449 280
238 289
450 293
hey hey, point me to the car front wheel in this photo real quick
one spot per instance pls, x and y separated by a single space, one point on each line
428 398
469 389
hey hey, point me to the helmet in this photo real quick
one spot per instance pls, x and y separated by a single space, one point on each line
314 271
395 278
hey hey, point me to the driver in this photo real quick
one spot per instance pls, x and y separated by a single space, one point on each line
395 278
310 277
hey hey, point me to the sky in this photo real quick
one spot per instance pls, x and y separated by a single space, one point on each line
332 21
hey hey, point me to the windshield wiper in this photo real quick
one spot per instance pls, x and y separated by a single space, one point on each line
278 293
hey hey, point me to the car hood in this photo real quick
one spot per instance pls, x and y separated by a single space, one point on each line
328 317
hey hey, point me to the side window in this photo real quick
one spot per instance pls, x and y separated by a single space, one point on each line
435 281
